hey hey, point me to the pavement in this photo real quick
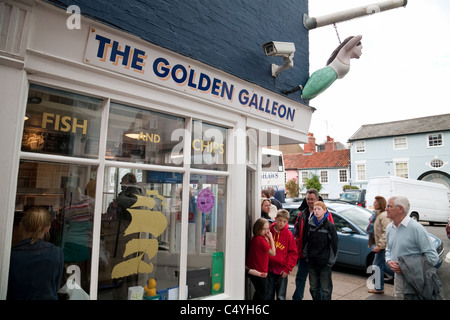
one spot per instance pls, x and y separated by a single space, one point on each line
348 284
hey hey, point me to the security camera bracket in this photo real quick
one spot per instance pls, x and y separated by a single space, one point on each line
288 63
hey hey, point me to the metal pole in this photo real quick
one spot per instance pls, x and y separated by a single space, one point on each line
312 23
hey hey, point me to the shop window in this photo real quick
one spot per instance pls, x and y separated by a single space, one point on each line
138 135
141 233
208 146
206 235
62 123
67 191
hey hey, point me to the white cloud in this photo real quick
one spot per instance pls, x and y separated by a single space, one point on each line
401 74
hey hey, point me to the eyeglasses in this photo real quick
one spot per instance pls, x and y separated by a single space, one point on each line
390 207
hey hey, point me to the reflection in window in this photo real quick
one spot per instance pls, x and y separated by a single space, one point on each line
67 191
141 233
206 235
60 122
144 136
140 228
208 146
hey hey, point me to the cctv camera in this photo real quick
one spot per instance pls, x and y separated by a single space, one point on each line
278 48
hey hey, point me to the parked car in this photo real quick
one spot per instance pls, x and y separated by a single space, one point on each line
447 228
351 222
355 196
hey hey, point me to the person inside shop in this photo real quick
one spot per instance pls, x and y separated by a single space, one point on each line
78 216
125 199
127 196
36 266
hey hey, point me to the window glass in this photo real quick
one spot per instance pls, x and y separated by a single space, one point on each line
208 149
360 146
400 143
60 122
67 191
401 169
361 172
140 233
324 176
143 136
206 235
342 175
435 140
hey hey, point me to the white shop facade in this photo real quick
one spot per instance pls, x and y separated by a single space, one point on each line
84 108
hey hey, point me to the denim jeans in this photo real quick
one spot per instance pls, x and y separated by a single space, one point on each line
300 279
320 278
381 263
277 286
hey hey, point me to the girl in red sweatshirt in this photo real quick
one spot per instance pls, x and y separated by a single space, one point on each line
261 247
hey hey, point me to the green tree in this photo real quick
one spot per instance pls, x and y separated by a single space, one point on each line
313 182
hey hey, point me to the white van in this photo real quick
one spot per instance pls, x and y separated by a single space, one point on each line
429 200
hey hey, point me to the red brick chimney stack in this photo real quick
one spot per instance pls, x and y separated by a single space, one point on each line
330 144
311 146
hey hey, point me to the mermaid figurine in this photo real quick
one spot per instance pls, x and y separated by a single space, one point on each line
338 65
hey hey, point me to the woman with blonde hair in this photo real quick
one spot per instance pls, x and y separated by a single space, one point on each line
36 266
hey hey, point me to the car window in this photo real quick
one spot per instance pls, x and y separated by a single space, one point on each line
340 223
357 215
350 196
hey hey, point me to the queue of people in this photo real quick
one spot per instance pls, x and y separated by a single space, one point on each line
315 242
400 244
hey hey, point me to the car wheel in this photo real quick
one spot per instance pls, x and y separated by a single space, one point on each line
415 216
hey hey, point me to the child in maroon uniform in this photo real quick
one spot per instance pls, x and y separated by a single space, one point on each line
261 247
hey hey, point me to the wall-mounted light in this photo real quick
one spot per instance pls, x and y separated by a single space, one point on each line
280 49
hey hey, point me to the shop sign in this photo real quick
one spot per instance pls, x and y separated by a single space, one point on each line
148 63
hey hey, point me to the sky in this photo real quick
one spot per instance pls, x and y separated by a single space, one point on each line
403 72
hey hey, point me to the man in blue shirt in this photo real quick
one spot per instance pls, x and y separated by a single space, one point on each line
405 237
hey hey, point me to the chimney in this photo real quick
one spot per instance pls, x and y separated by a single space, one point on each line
310 148
330 144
